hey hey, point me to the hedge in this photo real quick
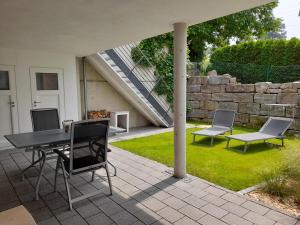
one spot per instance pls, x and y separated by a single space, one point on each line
264 60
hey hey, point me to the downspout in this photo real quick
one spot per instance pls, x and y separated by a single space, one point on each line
84 89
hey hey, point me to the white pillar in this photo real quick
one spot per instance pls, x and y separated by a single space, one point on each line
180 47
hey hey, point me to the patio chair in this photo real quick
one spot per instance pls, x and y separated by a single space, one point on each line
44 119
275 127
88 153
222 122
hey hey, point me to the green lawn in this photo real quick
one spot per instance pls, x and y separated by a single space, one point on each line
228 168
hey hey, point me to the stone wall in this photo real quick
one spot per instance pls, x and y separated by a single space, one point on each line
254 103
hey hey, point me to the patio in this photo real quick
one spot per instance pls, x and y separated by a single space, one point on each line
144 193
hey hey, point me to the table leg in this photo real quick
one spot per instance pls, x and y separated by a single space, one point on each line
31 165
43 160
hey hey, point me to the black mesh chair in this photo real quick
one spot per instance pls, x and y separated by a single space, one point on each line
44 119
88 153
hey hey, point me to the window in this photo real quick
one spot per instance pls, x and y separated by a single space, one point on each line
46 81
4 80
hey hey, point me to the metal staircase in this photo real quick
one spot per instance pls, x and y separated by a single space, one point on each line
135 83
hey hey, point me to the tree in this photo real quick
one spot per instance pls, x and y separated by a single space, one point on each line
243 26
280 34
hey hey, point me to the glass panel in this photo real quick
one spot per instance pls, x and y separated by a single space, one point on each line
46 81
4 80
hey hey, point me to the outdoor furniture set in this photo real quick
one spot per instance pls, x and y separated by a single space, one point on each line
79 148
223 121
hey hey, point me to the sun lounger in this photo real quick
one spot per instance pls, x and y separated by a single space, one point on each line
275 127
222 123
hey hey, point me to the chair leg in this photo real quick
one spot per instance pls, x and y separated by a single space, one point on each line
108 178
194 138
246 147
66 184
212 141
114 167
282 142
228 140
56 172
93 175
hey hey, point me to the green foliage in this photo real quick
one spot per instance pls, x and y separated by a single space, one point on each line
246 25
284 181
242 26
255 61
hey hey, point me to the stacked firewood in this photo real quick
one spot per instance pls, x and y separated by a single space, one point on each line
98 114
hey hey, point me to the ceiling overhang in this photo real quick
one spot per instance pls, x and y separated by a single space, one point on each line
84 27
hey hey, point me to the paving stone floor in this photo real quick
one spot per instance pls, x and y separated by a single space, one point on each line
144 192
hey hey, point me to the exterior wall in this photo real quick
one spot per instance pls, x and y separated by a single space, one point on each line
250 101
22 60
101 95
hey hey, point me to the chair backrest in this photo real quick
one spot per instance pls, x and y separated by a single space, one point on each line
276 126
89 137
44 119
223 118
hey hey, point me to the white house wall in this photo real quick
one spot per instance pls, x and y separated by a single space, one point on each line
23 60
101 95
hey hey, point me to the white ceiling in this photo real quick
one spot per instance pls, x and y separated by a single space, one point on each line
84 27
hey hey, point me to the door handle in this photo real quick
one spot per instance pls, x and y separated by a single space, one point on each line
11 103
35 103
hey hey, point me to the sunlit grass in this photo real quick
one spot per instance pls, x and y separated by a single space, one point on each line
229 168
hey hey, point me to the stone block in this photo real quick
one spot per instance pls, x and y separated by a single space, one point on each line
296 125
274 86
296 84
232 80
240 88
274 90
194 80
212 73
198 113
208 105
265 98
243 97
228 106
193 88
194 104
286 85
242 118
198 96
222 97
262 87
272 110
288 98
292 111
217 80
288 88
257 121
291 90
213 88
250 108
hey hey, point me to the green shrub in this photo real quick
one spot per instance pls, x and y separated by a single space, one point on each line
277 61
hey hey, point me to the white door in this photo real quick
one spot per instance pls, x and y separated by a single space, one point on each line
48 89
8 104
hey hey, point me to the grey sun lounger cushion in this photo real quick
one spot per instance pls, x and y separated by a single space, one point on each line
212 131
256 136
222 123
275 127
